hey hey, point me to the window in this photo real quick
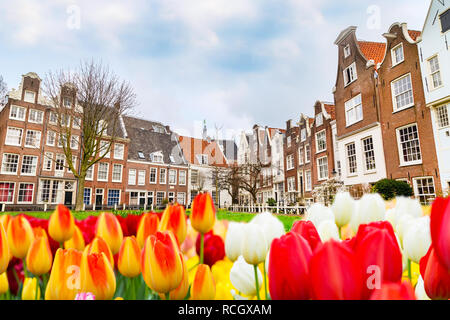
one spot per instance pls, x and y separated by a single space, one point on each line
35 116
132 177
29 96
141 177
319 119
53 118
409 146
102 174
182 178
321 141
369 153
153 172
117 173
118 151
402 93
350 74
87 196
90 173
25 193
307 153
33 139
442 116
29 164
202 159
290 162
445 21
141 155
113 197
13 136
51 138
59 162
194 177
322 168
288 141
353 110
172 176
301 155
171 197
17 113
157 157
424 190
160 197
303 135
104 146
162 175
48 161
308 181
181 198
76 123
6 192
10 163
74 164
351 158
434 77
347 51
291 184
67 102
61 140
74 142
397 55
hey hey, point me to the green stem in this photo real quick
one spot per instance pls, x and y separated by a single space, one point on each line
37 288
202 238
256 281
25 267
61 245
340 233
168 296
409 270
265 281
133 288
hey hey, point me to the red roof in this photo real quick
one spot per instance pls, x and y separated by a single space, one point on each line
272 131
373 50
414 34
192 147
330 109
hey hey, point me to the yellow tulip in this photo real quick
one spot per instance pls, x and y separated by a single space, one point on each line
29 289
77 240
203 214
4 285
20 236
5 255
203 287
174 219
108 228
61 224
39 257
128 261
97 276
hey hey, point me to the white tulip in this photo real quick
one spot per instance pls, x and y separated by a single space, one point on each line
403 224
406 206
254 244
271 225
371 208
233 240
343 208
318 213
391 216
417 238
328 230
236 296
242 277
354 221
421 294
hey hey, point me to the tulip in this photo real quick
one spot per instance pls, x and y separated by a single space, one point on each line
308 231
61 224
77 240
203 287
318 213
394 291
343 208
85 296
64 281
182 290
97 275
5 255
148 225
214 248
417 239
254 244
289 268
161 265
328 230
20 236
369 208
233 240
203 213
440 226
108 228
129 258
435 276
31 290
420 290
174 219
5 219
242 276
272 226
39 257
4 285
99 245
335 273
406 206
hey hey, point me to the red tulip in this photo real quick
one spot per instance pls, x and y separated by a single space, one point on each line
87 227
61 224
440 226
308 231
148 225
335 273
174 219
435 276
394 291
365 229
214 248
203 215
288 268
108 228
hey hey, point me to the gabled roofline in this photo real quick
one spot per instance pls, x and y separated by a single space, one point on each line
426 18
387 35
344 33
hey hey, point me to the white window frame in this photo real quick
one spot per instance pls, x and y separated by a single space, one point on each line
18 110
303 135
3 163
184 174
116 165
120 196
38 138
430 73
351 105
290 162
443 118
179 194
319 175
90 173
301 156
35 112
174 175
119 150
394 101
347 51
400 149
307 153
100 164
394 56
319 119
33 166
29 100
13 190
74 142
141 177
48 158
348 156
415 187
90 196
202 159
324 133
291 184
155 170
50 133
104 151
353 74
161 176
53 118
32 195
132 175
308 180
8 137
365 153
288 141
59 157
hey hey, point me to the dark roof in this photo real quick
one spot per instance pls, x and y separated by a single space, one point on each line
149 137
229 148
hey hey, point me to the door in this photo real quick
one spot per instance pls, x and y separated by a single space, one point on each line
68 198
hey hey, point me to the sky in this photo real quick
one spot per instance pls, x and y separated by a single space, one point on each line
233 63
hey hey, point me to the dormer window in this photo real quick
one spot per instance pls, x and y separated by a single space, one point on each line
202 159
157 157
159 129
29 96
397 55
141 155
319 119
347 51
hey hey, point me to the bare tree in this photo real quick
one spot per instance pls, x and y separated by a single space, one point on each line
93 99
250 178
229 179
3 92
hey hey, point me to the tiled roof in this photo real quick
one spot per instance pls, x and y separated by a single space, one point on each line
272 131
330 109
373 50
414 34
192 147
229 148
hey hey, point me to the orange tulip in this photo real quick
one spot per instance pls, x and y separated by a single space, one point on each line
174 219
39 257
129 258
203 287
5 219
181 292
61 224
5 255
161 264
77 240
99 245
108 228
39 232
20 236
97 276
64 281
148 225
203 213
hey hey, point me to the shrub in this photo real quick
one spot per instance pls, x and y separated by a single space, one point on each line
271 202
390 189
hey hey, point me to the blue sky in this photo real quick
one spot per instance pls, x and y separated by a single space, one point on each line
233 63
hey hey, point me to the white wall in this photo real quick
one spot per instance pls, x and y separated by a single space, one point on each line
208 185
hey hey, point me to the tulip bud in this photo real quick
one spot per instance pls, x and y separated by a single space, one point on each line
318 213
29 289
343 208
328 230
5 255
242 277
417 239
99 245
203 214
61 224
406 206
4 285
129 258
77 240
182 290
214 248
39 257
308 231
97 276
161 264
174 219
254 244
271 226
233 241
20 235
435 276
148 225
203 287
371 208
108 228
440 226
